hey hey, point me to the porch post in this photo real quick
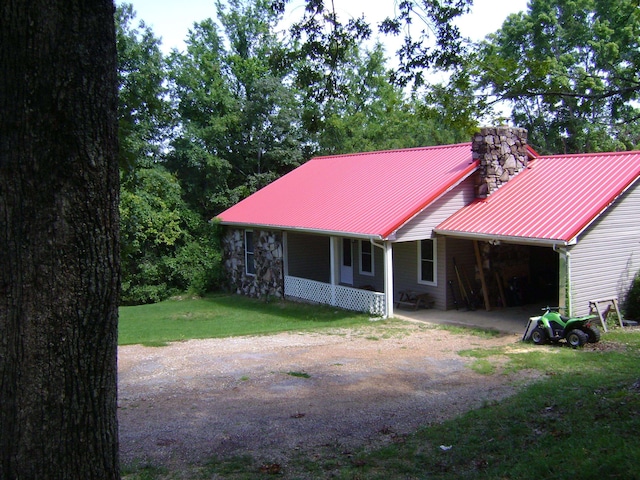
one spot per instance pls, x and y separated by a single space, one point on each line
564 281
388 279
285 254
334 252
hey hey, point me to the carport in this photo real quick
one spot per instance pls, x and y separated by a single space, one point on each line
570 213
502 274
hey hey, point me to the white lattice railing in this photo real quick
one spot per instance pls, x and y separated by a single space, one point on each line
337 295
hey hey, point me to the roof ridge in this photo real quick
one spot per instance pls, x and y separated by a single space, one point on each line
590 154
392 150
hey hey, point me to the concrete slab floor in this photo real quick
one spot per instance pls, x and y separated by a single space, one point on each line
506 320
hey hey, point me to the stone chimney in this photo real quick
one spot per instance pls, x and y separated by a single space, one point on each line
502 152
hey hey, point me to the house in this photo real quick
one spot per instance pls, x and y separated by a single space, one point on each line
436 226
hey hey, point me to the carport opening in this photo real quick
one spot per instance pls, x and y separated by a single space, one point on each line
544 268
520 275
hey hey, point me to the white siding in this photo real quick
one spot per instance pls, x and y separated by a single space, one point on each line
607 255
424 222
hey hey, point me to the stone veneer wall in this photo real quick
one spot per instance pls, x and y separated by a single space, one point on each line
269 261
502 152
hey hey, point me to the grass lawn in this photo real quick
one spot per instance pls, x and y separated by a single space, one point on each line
580 420
218 316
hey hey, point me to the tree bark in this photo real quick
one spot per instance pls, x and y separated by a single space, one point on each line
59 252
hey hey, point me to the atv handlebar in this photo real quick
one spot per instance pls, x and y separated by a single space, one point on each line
550 309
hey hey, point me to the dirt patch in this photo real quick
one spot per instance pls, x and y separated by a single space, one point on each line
276 396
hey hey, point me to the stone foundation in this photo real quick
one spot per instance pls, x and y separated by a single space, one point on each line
502 152
269 262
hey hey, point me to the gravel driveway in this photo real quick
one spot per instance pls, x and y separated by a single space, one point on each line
274 396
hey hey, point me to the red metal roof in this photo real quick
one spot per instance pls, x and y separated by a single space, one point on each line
364 194
552 201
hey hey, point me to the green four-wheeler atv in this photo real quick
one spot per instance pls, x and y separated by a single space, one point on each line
553 327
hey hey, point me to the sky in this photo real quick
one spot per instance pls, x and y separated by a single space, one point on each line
171 19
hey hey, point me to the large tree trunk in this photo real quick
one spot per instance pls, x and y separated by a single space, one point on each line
59 259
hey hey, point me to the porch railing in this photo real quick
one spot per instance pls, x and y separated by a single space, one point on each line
336 295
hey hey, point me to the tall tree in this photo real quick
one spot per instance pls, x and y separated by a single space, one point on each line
206 110
144 113
59 255
571 71
374 114
328 49
268 141
431 40
239 114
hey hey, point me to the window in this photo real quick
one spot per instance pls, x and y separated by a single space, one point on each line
249 260
427 262
366 258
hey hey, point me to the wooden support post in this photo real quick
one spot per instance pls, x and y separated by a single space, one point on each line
615 305
483 282
503 299
614 302
602 320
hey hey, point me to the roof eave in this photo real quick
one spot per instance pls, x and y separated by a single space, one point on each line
314 231
495 239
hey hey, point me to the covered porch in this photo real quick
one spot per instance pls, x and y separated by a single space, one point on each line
346 272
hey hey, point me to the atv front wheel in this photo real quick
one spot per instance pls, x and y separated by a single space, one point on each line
539 336
593 333
577 338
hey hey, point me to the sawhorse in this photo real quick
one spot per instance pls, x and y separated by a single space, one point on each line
603 313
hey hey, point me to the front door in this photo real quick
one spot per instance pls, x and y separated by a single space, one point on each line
346 265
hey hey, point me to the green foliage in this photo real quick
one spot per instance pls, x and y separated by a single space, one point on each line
325 42
439 44
570 70
143 110
373 114
166 248
322 47
631 305
238 112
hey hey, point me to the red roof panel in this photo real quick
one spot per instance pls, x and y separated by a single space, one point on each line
553 200
368 194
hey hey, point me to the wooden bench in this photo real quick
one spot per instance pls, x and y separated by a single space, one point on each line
413 299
